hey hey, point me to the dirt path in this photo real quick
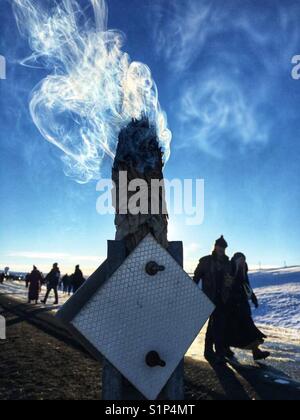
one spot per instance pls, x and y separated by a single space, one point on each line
39 361
37 366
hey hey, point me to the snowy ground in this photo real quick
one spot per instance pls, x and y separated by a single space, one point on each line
279 295
17 290
278 316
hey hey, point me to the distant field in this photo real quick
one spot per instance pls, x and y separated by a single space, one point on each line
279 294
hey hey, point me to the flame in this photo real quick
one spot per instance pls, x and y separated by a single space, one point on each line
93 89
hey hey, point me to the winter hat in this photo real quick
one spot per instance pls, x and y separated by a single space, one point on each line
221 242
236 259
238 256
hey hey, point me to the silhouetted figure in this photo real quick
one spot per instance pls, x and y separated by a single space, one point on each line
34 279
2 277
65 281
215 273
52 281
27 280
70 285
77 279
241 331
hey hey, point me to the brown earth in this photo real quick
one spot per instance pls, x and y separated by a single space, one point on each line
39 361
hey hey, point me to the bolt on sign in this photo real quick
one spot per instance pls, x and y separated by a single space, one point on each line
143 318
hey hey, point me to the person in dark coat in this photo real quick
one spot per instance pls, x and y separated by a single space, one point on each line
27 280
52 281
70 285
77 279
241 331
215 273
65 283
34 279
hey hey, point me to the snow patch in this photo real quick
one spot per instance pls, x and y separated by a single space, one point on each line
278 291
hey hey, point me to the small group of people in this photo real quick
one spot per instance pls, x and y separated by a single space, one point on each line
226 284
70 284
35 280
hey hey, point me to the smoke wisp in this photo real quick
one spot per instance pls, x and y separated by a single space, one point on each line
93 89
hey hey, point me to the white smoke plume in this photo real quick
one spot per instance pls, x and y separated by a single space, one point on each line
93 89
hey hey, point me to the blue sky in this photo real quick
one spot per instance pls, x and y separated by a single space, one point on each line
223 71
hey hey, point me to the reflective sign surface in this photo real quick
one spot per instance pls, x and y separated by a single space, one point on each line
144 323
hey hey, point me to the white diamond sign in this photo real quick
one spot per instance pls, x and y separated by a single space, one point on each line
134 317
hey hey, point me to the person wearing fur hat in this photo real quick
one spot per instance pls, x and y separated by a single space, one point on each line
241 331
215 273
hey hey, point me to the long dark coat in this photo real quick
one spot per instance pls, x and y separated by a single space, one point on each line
241 331
77 280
35 281
213 271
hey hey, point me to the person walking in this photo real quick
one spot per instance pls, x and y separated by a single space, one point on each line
34 279
70 285
215 273
240 331
65 283
52 281
27 280
77 279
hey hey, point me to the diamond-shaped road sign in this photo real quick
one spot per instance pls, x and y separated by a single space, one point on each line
144 321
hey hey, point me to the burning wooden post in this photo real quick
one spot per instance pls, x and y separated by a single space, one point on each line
140 156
